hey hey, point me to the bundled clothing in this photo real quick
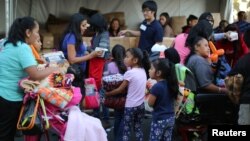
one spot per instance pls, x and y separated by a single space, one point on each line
82 127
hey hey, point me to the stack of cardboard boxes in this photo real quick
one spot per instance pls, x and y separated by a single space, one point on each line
128 42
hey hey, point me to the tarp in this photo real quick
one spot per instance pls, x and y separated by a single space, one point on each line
40 9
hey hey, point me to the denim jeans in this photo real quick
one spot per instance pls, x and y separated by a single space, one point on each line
118 124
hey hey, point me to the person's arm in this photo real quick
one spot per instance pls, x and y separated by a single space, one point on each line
35 74
118 90
133 32
220 36
211 88
159 33
151 100
104 40
29 64
204 77
72 55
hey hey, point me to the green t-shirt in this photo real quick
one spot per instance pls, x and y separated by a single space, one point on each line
13 61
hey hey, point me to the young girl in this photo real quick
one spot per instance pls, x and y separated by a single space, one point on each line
36 47
117 66
135 79
161 98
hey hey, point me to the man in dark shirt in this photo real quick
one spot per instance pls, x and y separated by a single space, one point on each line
243 67
151 31
242 24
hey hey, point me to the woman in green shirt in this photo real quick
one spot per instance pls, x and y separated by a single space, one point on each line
17 62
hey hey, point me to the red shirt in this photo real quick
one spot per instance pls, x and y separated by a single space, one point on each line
233 50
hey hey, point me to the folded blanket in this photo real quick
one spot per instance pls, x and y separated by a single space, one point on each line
57 79
82 127
62 66
57 96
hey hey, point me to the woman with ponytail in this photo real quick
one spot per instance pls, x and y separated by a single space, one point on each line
17 62
197 61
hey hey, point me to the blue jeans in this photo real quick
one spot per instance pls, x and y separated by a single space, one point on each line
118 124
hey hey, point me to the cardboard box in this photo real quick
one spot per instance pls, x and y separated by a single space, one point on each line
133 41
57 31
124 41
128 42
44 51
168 42
47 40
177 23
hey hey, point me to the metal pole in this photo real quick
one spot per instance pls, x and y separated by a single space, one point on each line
7 16
11 11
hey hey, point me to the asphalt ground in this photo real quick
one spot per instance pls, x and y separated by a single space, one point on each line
145 127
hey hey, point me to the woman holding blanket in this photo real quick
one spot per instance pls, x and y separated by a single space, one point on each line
17 62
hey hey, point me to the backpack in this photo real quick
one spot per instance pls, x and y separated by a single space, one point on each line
222 68
185 106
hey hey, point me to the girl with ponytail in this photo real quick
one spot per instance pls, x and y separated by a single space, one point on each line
114 67
135 80
161 98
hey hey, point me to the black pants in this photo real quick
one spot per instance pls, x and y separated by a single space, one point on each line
9 112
